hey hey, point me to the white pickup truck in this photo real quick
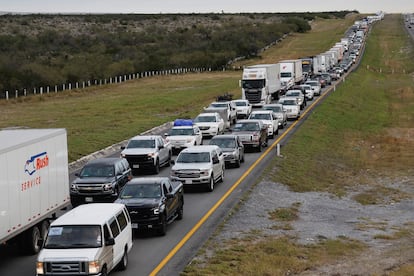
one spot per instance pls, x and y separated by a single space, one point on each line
229 106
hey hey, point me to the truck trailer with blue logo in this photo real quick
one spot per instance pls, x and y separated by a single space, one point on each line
34 184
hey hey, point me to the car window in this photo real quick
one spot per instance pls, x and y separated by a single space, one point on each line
97 171
114 228
122 220
150 143
167 186
193 157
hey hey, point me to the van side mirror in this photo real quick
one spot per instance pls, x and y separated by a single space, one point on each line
109 241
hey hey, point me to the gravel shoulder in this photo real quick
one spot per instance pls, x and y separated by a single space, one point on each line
324 216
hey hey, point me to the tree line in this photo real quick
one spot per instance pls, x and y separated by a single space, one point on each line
44 50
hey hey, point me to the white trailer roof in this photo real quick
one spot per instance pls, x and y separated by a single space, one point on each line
14 138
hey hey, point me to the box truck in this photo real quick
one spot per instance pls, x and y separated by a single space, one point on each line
34 184
260 83
307 66
291 72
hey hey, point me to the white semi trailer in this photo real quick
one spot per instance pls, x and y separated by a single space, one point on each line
34 184
260 83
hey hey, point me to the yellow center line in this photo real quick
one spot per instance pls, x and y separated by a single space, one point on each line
227 194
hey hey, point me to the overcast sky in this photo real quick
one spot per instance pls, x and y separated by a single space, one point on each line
204 6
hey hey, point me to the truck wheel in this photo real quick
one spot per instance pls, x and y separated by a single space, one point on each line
104 271
210 185
157 167
222 174
44 228
180 212
238 163
124 261
31 241
168 160
163 227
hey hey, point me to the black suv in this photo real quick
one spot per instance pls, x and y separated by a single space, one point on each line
100 180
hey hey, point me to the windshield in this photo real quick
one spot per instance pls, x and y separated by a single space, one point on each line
312 83
241 103
285 74
289 102
223 142
247 127
205 119
181 131
141 191
141 144
292 93
97 171
257 84
221 105
74 236
273 108
261 116
193 157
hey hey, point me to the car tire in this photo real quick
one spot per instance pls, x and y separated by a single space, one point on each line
104 271
210 185
157 167
124 261
168 160
162 231
237 165
180 211
222 174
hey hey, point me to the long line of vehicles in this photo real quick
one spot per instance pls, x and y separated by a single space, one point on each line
205 147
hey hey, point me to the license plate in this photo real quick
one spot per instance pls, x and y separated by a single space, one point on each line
134 225
88 199
188 181
135 166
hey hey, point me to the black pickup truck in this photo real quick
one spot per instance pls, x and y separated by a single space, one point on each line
153 202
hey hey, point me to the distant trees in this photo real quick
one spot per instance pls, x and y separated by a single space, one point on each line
45 50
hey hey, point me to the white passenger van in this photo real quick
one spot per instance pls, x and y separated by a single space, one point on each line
91 239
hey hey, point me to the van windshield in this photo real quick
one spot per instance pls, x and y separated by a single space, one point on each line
74 236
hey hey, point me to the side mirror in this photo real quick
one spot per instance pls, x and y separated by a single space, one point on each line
172 162
123 147
215 161
109 241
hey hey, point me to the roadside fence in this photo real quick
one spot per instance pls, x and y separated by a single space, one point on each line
84 84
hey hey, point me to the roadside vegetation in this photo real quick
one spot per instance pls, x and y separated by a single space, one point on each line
358 141
47 50
98 117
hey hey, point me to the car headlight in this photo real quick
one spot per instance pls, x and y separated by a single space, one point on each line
94 267
39 268
158 210
190 140
151 155
204 172
107 187
74 187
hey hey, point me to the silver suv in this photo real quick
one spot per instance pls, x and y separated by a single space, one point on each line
199 165
147 152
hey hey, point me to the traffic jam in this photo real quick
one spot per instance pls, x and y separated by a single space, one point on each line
143 189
